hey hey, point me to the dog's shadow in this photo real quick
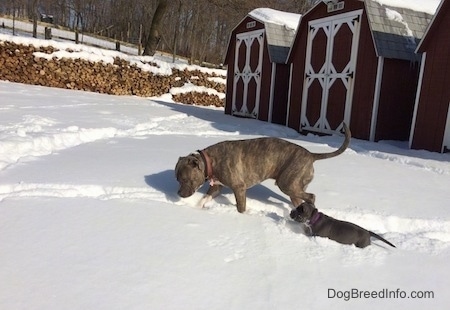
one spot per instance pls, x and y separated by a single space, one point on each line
164 182
258 192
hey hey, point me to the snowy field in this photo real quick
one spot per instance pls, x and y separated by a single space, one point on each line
25 28
90 219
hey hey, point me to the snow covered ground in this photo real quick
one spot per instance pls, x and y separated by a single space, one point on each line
25 28
90 219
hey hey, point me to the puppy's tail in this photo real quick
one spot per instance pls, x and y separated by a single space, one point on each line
381 238
340 150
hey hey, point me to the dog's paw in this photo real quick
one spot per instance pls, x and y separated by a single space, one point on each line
207 198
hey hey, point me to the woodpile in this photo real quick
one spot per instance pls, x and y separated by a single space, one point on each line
18 64
199 99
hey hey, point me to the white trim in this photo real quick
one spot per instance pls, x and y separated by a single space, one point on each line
272 89
446 141
416 103
376 99
335 17
289 94
259 68
419 46
236 54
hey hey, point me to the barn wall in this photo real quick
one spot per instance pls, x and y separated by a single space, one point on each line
281 92
365 80
397 96
435 90
229 88
266 76
298 73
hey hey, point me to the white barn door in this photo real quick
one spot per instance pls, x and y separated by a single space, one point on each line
330 64
247 73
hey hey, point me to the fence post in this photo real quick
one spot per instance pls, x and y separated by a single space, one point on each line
48 33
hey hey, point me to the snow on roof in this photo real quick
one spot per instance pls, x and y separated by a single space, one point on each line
397 17
266 15
427 6
397 26
280 31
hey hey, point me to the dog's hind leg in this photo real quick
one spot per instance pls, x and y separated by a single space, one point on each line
293 182
297 194
298 198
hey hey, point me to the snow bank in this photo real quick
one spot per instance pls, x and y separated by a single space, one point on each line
188 87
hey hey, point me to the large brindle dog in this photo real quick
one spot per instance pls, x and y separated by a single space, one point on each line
242 164
322 225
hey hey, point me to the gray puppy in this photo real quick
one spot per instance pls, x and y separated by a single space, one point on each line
323 225
242 164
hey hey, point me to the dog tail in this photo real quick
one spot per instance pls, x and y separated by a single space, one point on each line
381 238
340 150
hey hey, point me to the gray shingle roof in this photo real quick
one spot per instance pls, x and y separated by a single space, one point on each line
279 39
279 35
396 31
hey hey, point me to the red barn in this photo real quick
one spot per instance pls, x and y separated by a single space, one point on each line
355 61
258 76
431 122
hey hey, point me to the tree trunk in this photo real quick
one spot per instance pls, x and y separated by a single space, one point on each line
155 34
34 17
175 35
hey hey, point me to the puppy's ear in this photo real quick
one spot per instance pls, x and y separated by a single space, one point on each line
309 204
307 208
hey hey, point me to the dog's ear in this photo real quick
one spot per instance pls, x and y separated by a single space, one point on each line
194 162
310 208
178 165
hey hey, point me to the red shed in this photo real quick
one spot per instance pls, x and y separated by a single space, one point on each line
431 122
355 61
258 76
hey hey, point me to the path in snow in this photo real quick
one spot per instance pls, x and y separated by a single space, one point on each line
104 125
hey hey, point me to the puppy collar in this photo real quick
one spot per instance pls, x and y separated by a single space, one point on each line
209 171
315 218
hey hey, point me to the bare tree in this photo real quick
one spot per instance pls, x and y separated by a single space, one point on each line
196 29
155 30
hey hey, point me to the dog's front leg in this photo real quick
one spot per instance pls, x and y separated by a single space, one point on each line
212 192
240 195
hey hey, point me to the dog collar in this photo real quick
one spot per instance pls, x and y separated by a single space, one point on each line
315 218
209 171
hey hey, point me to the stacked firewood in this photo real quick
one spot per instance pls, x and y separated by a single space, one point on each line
199 98
19 64
200 78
